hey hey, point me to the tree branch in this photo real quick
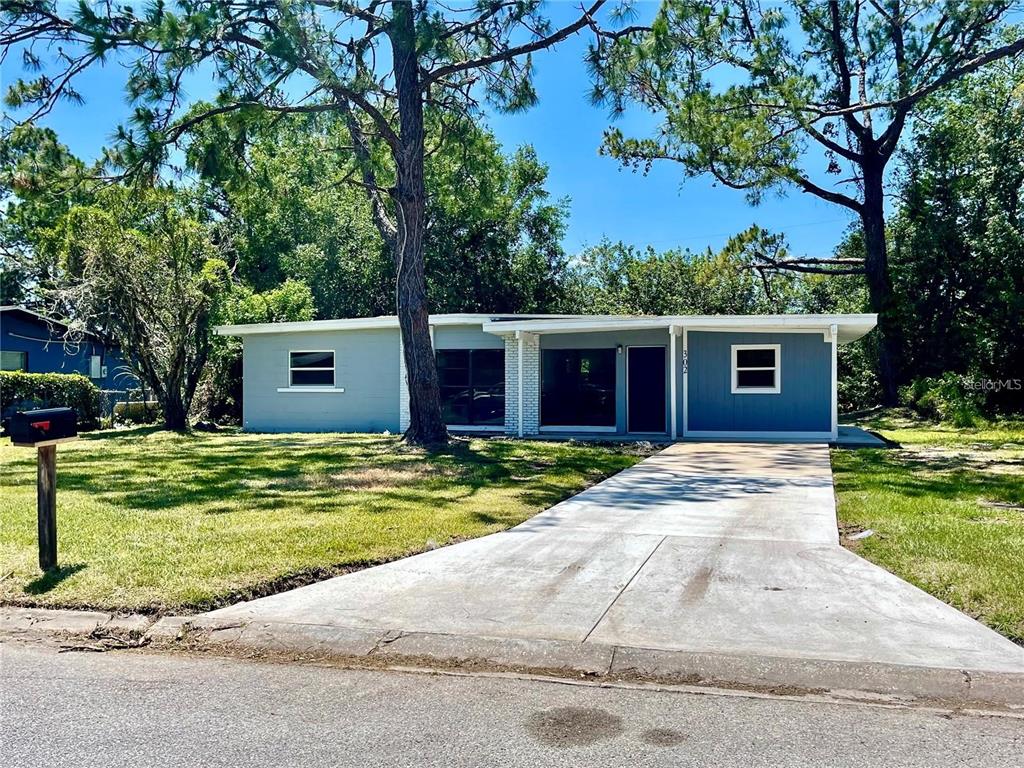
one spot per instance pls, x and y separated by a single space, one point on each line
833 197
846 81
809 265
515 51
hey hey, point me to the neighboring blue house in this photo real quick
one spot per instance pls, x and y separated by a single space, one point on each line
678 377
34 343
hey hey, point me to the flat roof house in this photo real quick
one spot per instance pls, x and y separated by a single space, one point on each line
676 377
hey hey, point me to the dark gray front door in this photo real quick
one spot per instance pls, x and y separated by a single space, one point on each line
645 389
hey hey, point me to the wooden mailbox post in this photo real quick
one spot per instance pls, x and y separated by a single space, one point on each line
44 430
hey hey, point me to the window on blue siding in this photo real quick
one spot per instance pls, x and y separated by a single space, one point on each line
311 369
472 386
13 361
755 369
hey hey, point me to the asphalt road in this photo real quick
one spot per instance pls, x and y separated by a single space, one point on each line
128 709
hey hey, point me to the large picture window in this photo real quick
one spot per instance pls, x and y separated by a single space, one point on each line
755 369
311 369
472 386
577 388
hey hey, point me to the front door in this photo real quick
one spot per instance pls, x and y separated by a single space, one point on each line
645 389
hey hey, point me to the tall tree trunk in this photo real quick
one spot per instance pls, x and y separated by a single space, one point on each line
425 424
175 413
880 293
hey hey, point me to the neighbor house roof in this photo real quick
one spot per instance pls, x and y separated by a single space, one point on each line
30 313
33 315
849 327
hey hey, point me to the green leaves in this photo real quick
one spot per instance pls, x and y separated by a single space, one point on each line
958 233
25 391
614 278
744 89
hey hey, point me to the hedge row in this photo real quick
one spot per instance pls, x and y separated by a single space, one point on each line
21 391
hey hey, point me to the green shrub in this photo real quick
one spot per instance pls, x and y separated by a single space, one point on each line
137 412
21 391
944 399
858 387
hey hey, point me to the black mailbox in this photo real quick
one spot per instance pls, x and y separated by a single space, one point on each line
43 427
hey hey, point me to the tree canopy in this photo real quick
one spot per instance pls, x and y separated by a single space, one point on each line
809 94
958 235
493 235
381 66
140 267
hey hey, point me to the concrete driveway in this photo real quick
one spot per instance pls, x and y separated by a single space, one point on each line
705 547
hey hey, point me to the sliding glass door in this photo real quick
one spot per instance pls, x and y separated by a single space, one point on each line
577 388
472 386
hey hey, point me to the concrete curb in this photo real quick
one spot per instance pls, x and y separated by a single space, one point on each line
47 622
888 683
872 682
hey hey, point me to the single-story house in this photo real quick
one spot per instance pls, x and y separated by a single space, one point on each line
34 343
670 377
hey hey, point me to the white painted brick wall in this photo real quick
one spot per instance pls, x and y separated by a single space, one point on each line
511 383
403 390
531 384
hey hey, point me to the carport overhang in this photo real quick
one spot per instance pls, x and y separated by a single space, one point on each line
836 329
848 327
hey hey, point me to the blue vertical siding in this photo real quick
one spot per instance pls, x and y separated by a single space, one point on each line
804 403
48 353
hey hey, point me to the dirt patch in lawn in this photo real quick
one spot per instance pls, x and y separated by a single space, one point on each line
365 478
975 458
1002 505
852 535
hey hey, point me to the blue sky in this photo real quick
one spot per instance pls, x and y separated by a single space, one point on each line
661 209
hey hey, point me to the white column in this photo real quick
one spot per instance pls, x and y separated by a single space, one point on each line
686 388
834 334
519 386
672 379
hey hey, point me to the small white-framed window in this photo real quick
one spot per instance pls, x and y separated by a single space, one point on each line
311 368
756 369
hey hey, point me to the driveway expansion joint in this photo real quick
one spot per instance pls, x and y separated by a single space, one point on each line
624 588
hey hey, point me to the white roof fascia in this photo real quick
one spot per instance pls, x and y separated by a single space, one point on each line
851 327
307 326
577 325
347 324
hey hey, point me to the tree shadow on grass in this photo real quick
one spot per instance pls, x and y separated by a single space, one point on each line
52 578
122 434
262 472
942 477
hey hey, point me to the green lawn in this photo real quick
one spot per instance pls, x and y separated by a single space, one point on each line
948 511
151 520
